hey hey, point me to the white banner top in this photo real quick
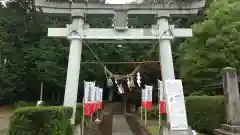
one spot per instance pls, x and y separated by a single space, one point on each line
143 95
87 91
93 94
149 92
96 94
160 90
100 94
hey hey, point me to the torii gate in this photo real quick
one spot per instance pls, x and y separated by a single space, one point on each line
78 31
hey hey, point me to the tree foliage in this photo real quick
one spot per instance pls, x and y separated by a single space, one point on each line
214 46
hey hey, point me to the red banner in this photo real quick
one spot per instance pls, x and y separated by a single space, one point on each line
147 105
93 107
162 107
87 109
99 105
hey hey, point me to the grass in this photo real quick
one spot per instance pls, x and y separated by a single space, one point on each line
153 129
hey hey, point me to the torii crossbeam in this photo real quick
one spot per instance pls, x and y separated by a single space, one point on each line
78 31
102 35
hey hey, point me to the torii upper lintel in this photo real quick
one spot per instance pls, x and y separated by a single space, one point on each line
98 8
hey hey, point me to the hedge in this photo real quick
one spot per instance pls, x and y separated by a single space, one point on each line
78 116
204 113
41 121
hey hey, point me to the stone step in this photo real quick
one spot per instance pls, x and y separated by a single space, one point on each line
230 128
222 132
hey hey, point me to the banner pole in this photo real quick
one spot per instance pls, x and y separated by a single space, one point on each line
159 115
145 114
41 94
97 102
91 119
83 117
159 93
89 111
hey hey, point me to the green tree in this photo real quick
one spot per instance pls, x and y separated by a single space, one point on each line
214 46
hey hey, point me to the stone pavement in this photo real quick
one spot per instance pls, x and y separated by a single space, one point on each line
4 122
120 126
5 114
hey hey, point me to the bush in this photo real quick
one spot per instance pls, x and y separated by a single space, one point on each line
41 121
205 113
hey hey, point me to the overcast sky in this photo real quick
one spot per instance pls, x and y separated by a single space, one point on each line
118 1
110 1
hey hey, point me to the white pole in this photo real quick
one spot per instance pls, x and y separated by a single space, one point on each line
41 93
74 60
97 113
141 113
145 114
160 97
91 119
165 50
83 117
159 115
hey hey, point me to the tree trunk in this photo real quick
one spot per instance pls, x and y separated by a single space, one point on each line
1 58
58 97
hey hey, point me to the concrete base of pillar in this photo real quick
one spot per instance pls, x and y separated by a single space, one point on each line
77 129
181 132
186 132
228 130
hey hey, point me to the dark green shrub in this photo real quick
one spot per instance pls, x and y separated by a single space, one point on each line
41 121
205 113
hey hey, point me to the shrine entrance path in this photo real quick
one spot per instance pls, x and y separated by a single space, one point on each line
115 122
120 126
5 113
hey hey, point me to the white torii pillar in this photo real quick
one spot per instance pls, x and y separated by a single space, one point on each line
166 60
165 48
73 70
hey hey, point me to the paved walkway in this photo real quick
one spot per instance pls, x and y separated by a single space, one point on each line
120 126
4 120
